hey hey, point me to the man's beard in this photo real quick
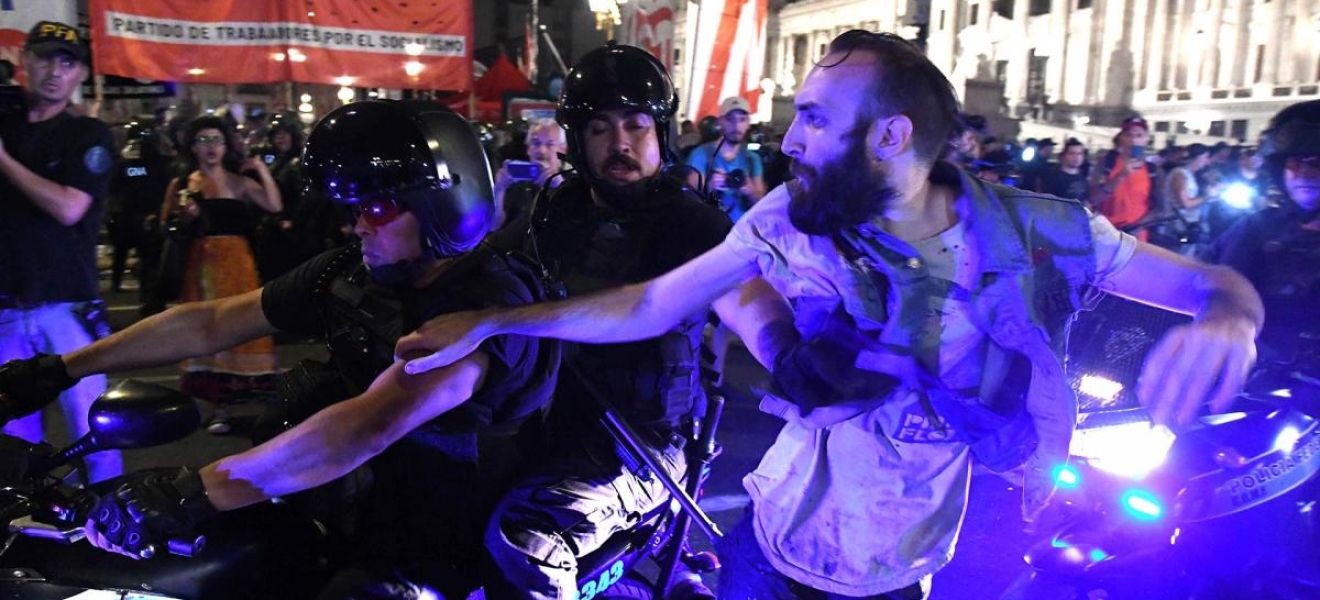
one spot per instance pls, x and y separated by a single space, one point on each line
621 195
843 193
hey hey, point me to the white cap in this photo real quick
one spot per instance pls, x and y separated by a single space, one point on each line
733 103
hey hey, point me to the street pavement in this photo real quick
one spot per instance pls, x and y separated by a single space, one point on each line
989 551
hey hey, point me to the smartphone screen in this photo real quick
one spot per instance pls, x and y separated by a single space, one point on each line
1139 152
522 170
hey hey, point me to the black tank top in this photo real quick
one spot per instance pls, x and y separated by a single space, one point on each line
226 216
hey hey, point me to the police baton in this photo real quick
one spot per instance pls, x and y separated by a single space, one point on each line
629 440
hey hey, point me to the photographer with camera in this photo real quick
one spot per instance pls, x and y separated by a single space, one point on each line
731 171
55 170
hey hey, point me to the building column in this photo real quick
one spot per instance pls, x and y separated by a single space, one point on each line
1060 21
1214 50
1155 52
1274 43
1095 69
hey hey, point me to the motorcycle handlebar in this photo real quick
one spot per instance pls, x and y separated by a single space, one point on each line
186 547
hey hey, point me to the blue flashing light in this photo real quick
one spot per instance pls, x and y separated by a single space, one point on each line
1098 555
1059 543
1067 477
1142 505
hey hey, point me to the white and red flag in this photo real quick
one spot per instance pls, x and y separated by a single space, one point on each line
726 56
649 25
17 17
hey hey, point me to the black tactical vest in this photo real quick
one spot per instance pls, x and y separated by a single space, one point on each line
656 383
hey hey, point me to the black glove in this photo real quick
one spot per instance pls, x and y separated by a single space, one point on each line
820 369
150 508
28 384
17 457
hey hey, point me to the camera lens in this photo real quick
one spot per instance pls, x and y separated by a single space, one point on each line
735 179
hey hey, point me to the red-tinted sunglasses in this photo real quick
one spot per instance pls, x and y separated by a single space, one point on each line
377 211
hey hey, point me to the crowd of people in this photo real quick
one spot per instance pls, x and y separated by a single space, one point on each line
1181 197
909 306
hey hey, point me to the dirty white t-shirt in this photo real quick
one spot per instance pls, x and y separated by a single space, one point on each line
873 503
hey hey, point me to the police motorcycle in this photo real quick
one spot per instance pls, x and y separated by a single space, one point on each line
1221 509
265 552
271 551
654 559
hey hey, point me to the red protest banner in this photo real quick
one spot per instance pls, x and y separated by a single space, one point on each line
421 45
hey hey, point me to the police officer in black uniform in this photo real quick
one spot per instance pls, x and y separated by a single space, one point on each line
54 171
279 246
141 175
622 217
442 449
1278 248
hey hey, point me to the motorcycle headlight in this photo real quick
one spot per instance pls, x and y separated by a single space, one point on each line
1129 450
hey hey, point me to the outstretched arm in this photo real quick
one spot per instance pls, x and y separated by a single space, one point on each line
341 437
149 509
184 331
633 312
1207 360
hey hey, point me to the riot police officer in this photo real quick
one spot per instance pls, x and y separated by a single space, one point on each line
441 449
140 177
279 244
621 217
1278 248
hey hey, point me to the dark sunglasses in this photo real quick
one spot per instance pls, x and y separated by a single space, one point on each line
377 211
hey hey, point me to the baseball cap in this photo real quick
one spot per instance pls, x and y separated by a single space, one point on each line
733 103
48 37
1132 122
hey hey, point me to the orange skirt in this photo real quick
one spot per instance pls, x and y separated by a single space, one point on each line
219 267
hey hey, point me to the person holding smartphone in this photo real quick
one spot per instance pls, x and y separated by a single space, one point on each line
517 182
1120 188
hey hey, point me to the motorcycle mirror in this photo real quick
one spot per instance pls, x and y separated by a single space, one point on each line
133 414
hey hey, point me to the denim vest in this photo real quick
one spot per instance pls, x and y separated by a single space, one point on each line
1033 255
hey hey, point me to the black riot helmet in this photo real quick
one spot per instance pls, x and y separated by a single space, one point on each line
1294 131
422 154
286 121
140 139
614 77
139 130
